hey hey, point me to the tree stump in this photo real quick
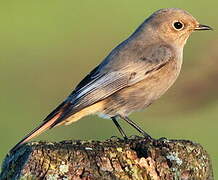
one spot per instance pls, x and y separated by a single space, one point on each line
133 159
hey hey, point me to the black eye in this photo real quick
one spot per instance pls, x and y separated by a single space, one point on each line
178 25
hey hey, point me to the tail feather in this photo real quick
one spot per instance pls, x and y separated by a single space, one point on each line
41 128
58 117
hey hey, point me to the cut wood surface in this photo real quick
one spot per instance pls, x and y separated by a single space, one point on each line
133 159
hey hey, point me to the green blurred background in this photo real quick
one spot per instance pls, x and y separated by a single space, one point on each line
47 47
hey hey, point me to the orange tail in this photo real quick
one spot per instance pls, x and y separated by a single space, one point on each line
58 117
44 126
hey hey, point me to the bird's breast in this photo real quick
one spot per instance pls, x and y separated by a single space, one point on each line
158 82
143 93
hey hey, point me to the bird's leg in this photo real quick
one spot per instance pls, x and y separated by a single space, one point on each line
119 128
129 121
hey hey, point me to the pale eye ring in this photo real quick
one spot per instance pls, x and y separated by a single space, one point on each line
178 25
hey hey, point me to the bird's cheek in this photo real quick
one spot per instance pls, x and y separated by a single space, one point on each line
183 38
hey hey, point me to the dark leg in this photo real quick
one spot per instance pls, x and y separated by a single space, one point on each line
129 121
119 128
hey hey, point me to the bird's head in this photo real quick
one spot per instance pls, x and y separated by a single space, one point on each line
173 25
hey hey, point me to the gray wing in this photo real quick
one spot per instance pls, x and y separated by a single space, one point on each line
102 85
110 77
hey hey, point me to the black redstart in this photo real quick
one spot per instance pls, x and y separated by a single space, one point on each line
136 73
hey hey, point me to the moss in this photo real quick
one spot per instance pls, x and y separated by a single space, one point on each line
135 159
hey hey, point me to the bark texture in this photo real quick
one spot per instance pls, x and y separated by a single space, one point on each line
134 159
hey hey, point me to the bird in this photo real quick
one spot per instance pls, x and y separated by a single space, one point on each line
133 75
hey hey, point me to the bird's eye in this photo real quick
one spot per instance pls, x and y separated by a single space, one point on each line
178 25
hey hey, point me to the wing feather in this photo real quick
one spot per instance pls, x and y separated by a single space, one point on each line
100 84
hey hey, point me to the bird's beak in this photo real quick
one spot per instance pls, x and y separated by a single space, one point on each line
202 27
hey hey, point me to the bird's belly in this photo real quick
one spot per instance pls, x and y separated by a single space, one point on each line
143 93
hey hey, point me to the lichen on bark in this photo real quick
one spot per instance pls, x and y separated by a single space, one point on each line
133 159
